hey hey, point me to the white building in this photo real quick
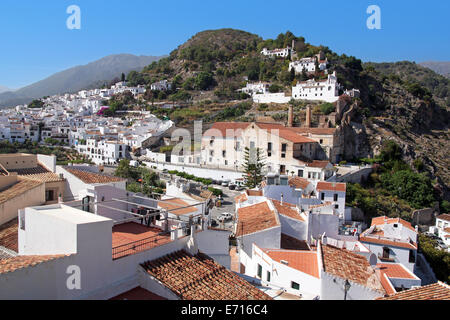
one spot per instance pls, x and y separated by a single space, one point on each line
277 53
323 90
392 240
308 64
163 85
256 88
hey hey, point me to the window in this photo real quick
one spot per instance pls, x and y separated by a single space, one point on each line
49 195
295 285
386 252
395 225
322 196
224 153
268 276
259 271
283 147
412 256
269 146
300 173
336 206
335 197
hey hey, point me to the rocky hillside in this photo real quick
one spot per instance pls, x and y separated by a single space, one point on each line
401 101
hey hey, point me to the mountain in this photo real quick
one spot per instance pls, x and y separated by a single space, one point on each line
4 89
78 78
440 67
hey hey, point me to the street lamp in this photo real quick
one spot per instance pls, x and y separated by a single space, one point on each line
347 286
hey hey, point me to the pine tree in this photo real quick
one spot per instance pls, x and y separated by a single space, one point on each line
253 167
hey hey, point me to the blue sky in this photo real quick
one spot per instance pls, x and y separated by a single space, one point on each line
35 42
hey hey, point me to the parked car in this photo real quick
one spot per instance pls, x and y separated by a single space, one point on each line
226 183
232 187
225 217
214 223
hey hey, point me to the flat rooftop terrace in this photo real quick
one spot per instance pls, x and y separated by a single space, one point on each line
131 238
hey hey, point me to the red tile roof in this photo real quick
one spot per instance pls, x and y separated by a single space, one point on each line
21 262
387 284
299 183
288 210
256 218
93 178
444 216
19 188
395 270
200 278
9 235
177 206
223 127
254 193
304 261
319 164
241 198
331 186
348 265
388 242
382 220
316 131
436 291
128 233
138 293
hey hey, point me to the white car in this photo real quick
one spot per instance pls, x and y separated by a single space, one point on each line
225 217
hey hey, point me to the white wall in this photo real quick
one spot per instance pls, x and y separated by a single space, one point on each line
271 98
401 254
294 228
333 289
215 174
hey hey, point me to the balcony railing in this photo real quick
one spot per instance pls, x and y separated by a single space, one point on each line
386 259
137 246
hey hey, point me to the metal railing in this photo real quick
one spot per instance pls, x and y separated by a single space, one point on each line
134 247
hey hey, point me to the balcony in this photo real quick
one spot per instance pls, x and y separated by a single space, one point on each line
386 259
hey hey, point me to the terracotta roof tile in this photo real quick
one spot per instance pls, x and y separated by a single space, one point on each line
20 187
91 177
436 291
299 183
331 186
444 216
395 270
176 206
388 242
241 198
348 265
254 193
316 131
44 177
304 261
20 262
200 278
9 235
256 218
382 220
288 210
222 127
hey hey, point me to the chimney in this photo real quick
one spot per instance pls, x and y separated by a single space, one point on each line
282 198
308 117
291 117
